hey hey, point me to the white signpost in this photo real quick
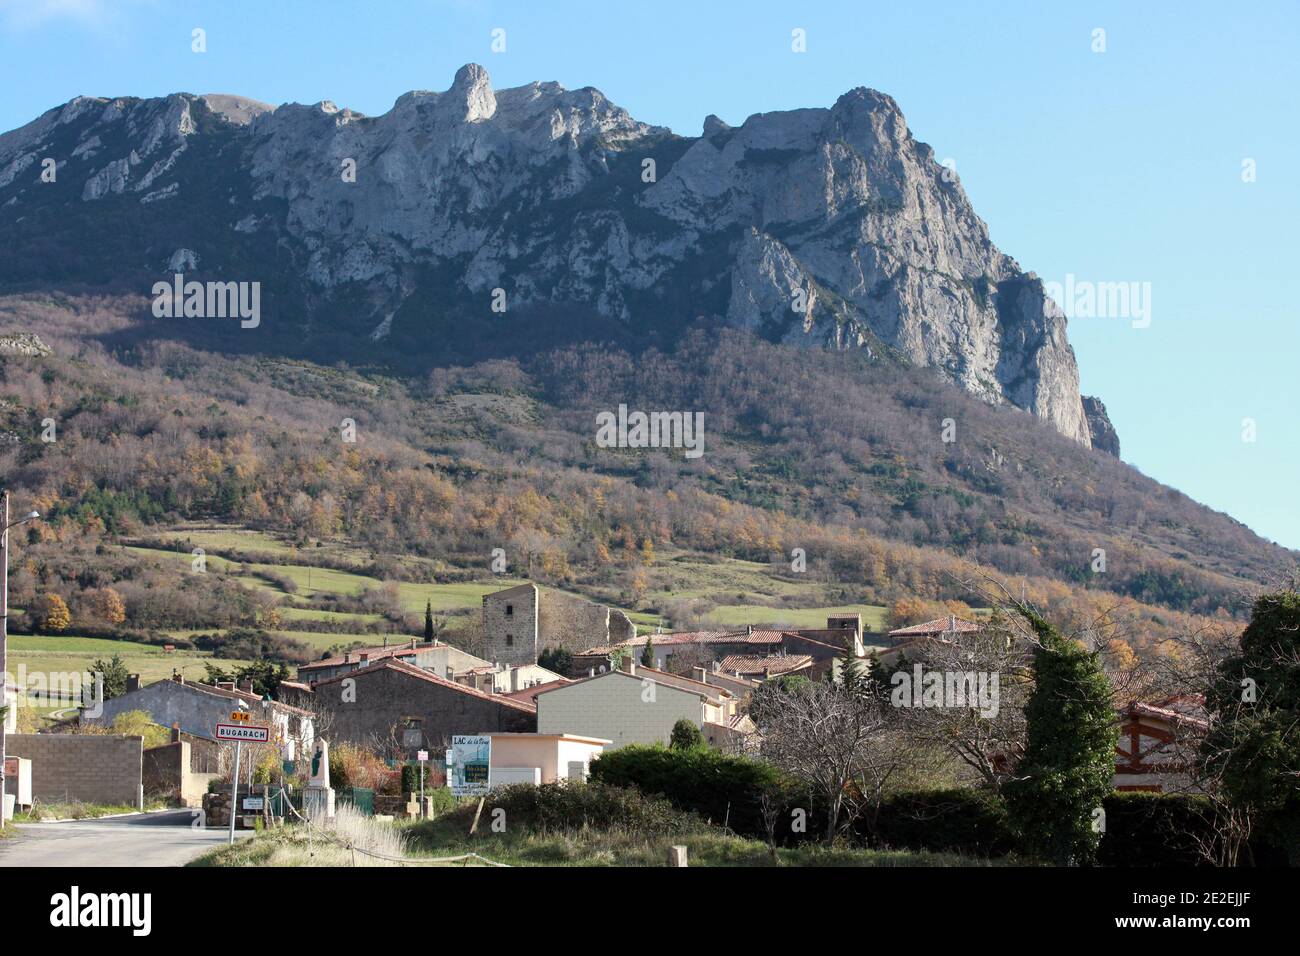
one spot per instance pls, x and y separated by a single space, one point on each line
240 733
422 756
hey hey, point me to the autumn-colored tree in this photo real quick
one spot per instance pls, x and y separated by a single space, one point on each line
106 605
906 612
49 613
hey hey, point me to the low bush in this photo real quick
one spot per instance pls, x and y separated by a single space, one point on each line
1154 829
575 806
964 821
718 787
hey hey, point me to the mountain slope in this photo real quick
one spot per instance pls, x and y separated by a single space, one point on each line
829 227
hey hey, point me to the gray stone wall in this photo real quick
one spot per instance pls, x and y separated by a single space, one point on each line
384 699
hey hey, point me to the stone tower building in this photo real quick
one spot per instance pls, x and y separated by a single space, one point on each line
520 622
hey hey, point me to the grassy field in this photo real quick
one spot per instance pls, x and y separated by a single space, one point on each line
725 592
425 841
67 653
316 614
873 616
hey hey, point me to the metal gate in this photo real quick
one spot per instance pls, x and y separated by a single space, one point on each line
361 798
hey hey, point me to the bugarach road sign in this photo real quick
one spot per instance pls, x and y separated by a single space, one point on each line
245 732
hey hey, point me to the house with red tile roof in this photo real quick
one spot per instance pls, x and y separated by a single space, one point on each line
392 704
638 705
699 648
1155 740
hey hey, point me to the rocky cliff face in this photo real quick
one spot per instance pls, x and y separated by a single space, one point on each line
820 227
1102 432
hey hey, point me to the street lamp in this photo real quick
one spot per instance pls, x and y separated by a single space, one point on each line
5 525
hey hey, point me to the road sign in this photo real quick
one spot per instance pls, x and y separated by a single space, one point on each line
422 755
246 733
240 715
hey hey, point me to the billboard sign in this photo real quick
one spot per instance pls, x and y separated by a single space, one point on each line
467 773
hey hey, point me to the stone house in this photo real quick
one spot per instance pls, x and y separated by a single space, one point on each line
391 704
196 709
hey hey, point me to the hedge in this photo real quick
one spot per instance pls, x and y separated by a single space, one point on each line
972 822
577 806
1154 829
719 787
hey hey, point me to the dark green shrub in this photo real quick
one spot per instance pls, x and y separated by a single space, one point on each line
1153 829
685 735
411 778
718 787
972 822
575 806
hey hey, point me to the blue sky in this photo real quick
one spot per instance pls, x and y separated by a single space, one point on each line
1119 166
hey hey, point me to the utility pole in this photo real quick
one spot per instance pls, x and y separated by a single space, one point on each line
4 633
4 641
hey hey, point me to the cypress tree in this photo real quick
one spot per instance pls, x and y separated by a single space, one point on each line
428 620
1069 760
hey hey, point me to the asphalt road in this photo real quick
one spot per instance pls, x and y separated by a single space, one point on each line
164 838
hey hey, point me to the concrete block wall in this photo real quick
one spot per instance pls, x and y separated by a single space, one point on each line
92 768
167 770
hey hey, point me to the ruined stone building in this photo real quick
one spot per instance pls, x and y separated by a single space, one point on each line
520 622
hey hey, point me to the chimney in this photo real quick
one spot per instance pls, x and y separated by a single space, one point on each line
176 733
347 657
412 643
514 679
749 629
246 685
226 684
362 658
132 682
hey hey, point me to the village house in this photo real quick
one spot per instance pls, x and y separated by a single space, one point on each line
639 705
762 668
196 709
683 651
437 656
742 688
541 758
396 706
915 636
1152 751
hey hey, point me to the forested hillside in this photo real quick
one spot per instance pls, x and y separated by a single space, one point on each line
829 453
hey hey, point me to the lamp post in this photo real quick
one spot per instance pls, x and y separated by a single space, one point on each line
4 632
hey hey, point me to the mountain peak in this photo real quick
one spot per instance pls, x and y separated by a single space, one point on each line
472 89
544 192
